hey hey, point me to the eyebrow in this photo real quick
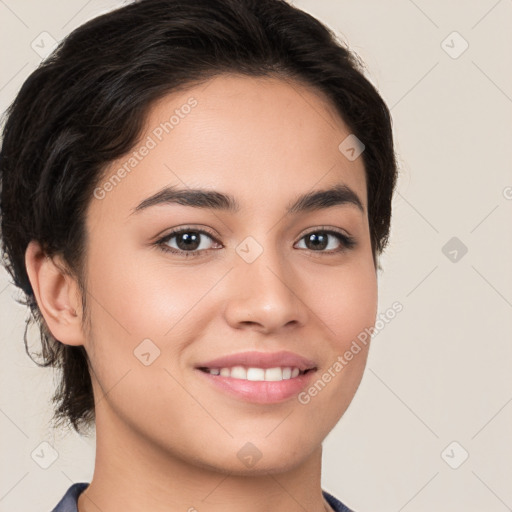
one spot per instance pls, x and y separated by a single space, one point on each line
337 195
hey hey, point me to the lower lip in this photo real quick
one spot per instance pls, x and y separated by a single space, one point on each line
260 392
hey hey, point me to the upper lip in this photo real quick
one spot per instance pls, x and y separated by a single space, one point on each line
260 360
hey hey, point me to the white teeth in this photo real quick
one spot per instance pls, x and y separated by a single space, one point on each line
273 374
256 374
238 372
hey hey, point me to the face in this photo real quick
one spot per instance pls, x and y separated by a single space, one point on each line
198 336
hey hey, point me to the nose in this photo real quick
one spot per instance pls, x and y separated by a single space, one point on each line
265 295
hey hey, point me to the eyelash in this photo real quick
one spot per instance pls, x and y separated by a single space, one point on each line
347 242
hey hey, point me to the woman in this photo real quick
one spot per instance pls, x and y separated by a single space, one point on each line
194 199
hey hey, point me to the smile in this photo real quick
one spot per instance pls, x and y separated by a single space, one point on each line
258 377
257 374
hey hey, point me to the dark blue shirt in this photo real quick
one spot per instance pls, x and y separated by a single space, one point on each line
69 501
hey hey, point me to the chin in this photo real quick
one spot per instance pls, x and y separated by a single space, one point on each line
253 459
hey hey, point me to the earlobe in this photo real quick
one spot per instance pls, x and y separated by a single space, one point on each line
56 295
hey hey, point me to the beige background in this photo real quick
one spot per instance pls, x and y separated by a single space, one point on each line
441 370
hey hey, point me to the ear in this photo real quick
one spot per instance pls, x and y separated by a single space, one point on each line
57 295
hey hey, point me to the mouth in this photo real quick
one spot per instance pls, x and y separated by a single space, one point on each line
259 377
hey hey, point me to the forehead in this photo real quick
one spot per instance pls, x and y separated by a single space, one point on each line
262 140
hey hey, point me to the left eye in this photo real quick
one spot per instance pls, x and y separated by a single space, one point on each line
318 241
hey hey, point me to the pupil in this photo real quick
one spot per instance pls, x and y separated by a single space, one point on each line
191 241
318 241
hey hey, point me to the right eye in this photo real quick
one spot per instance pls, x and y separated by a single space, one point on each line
188 242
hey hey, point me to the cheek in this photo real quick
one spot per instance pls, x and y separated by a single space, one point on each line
347 307
345 300
133 300
144 298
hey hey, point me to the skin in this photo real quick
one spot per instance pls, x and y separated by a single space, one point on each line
167 439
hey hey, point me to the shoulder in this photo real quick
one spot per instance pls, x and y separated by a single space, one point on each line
337 505
68 503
